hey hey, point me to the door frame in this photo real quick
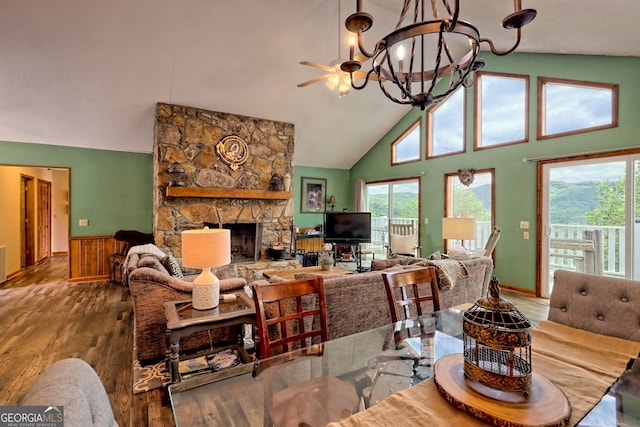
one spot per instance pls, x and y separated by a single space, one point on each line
28 219
540 229
43 248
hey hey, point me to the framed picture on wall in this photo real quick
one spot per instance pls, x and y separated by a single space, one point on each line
312 196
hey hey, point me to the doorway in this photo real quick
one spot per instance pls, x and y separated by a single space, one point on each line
44 220
590 217
35 219
27 215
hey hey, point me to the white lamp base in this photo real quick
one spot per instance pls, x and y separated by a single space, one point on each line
206 291
457 250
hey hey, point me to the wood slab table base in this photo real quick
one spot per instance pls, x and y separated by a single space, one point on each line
545 406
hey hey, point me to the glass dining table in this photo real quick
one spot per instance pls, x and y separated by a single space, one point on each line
322 383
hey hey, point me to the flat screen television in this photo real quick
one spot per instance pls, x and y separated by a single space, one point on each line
347 227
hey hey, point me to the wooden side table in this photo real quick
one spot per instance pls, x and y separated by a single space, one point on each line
183 320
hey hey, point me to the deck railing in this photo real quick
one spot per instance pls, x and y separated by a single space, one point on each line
613 257
613 239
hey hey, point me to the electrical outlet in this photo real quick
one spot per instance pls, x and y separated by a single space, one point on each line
524 225
426 220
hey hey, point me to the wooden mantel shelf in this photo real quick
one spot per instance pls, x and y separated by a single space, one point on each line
227 193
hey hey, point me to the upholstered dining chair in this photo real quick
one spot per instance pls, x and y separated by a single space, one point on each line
402 240
290 315
406 292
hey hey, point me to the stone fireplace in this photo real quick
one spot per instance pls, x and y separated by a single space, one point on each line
196 184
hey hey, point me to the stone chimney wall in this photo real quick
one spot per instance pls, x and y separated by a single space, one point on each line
185 140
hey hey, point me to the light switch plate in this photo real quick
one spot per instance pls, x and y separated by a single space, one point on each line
83 223
524 225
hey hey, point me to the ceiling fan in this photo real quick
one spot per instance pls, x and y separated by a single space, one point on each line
335 77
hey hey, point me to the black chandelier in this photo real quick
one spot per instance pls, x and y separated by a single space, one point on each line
410 61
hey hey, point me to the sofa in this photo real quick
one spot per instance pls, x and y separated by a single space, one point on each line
74 385
155 278
601 304
358 302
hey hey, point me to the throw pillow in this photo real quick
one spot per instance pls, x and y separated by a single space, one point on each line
172 266
403 244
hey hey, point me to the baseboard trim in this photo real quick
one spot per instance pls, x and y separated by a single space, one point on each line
528 292
104 278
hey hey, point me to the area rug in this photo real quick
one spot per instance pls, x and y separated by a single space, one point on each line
149 377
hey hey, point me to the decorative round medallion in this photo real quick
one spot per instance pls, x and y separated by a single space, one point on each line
233 151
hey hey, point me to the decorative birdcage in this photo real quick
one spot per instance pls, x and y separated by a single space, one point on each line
497 343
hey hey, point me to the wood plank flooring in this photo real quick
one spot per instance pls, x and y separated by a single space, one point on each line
43 320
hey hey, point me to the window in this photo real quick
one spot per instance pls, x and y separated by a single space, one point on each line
476 200
406 148
447 124
501 109
567 107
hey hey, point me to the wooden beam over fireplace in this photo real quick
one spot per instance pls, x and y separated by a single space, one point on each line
227 193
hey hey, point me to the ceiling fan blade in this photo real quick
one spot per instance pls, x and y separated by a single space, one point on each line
317 79
363 75
313 64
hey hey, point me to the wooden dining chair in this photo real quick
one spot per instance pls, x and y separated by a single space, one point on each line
407 289
290 315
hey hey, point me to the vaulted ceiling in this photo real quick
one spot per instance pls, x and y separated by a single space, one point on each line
87 73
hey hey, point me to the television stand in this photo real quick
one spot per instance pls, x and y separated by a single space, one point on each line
353 251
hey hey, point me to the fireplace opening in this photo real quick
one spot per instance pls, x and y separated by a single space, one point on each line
246 240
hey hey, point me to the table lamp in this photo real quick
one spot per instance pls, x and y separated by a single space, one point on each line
458 229
206 249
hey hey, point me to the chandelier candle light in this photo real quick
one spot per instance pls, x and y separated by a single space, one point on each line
426 47
206 249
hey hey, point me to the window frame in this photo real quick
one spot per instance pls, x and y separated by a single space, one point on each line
431 121
401 137
541 113
477 111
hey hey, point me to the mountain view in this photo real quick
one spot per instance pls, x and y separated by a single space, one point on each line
569 201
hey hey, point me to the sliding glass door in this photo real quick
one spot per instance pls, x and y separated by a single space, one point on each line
397 201
590 213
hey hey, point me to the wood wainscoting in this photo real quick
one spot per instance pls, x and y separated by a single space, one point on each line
89 257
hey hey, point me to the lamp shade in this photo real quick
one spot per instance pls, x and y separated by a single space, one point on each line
206 248
459 228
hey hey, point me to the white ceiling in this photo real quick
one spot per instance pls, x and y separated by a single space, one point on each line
88 73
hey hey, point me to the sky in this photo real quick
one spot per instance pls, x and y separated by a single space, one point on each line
588 172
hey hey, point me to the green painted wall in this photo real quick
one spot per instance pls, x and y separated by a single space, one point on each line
112 189
337 184
515 258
